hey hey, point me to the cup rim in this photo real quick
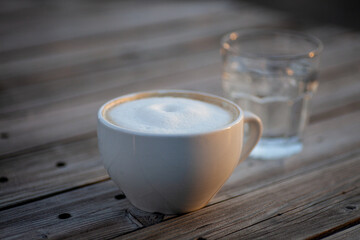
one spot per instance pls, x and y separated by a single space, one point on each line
306 36
107 123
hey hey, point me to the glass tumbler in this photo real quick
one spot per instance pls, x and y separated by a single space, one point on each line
272 73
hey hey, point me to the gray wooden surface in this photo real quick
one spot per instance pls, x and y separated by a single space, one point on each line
59 61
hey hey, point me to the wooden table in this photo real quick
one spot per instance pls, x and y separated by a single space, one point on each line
59 61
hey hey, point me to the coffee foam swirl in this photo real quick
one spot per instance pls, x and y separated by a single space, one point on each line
169 115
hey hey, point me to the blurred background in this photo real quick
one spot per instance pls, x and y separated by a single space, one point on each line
60 60
330 12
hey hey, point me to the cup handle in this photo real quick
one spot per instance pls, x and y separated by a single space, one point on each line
255 131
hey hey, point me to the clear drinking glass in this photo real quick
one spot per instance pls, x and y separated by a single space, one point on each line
272 73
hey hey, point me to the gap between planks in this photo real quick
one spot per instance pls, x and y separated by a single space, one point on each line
351 233
339 230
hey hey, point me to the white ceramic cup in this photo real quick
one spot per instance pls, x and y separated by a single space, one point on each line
174 173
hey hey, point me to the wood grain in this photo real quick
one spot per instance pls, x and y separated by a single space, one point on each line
121 55
96 213
108 49
77 20
26 95
54 170
351 233
328 210
299 198
320 146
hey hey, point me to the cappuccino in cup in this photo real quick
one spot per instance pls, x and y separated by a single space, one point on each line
169 115
170 151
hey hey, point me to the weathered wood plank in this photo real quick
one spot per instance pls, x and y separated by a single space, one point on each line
74 20
53 170
89 50
351 233
315 216
44 94
337 91
320 144
134 51
110 46
112 60
296 200
95 213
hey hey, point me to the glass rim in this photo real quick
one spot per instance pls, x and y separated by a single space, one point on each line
227 47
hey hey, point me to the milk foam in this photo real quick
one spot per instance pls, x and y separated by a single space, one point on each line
169 115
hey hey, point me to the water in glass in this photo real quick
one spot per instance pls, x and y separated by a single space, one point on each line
279 93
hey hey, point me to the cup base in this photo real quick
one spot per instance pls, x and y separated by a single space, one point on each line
276 148
165 211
